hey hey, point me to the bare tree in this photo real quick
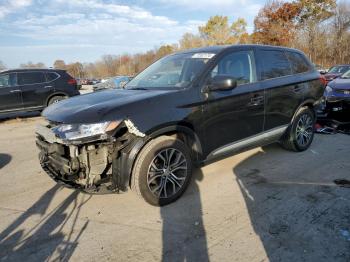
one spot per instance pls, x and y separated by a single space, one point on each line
59 64
32 65
341 27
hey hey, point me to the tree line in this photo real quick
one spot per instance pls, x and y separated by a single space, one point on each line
320 28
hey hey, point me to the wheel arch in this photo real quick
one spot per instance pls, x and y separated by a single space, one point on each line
54 94
182 131
310 103
186 134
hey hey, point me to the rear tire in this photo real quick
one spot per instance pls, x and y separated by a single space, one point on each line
55 99
162 171
300 134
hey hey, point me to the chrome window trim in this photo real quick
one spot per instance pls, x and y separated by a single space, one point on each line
58 76
39 82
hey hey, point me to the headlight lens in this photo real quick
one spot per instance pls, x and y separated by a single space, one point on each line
328 89
79 131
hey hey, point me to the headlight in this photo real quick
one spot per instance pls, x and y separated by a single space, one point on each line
328 89
79 131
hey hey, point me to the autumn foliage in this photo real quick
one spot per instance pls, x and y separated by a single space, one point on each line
321 28
276 23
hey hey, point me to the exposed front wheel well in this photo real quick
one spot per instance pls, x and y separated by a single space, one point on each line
310 106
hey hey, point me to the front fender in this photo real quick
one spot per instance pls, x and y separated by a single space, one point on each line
122 165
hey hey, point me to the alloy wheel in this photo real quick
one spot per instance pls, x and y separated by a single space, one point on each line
304 130
167 173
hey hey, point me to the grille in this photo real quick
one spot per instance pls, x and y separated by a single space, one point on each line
343 91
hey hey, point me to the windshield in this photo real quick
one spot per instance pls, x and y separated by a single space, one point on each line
346 75
172 71
339 69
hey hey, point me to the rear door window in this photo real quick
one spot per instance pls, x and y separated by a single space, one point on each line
29 78
4 80
274 64
239 65
298 62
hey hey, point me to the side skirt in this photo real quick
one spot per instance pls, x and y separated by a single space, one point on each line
261 139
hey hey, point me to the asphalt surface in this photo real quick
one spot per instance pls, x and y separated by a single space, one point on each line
266 204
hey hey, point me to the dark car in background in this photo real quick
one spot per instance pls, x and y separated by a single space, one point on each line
337 94
113 82
34 89
336 71
185 110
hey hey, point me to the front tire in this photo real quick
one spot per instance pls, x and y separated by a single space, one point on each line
300 134
162 171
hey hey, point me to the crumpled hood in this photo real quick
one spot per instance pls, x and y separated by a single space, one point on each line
339 83
97 107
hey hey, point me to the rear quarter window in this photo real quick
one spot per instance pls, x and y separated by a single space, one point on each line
28 78
298 62
52 76
274 63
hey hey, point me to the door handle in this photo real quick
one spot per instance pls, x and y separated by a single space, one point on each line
298 88
15 91
256 100
47 86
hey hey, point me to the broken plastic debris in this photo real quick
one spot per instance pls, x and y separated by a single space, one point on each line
333 126
326 130
133 129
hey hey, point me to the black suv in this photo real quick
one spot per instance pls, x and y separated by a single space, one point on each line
34 89
185 109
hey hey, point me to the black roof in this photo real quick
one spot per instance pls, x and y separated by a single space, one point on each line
218 48
30 70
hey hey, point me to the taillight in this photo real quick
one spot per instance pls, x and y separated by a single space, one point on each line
72 81
323 80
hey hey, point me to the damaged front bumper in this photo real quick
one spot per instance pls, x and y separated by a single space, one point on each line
336 104
93 166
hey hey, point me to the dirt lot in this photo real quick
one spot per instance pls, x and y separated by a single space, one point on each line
263 205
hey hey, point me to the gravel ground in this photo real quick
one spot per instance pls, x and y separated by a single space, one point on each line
266 204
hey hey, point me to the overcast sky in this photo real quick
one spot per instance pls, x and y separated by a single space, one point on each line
84 30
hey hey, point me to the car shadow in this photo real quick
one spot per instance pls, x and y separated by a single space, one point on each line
296 215
4 159
20 115
183 233
46 239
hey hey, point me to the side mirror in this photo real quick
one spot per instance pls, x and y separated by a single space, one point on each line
222 83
